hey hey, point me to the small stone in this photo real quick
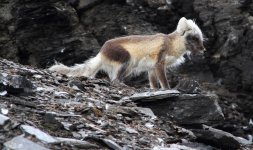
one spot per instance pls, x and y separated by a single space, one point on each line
131 130
3 93
149 125
37 76
44 137
21 143
4 111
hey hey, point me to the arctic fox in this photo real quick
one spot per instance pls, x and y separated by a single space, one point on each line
123 56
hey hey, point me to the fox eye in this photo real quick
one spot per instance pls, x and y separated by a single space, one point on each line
193 38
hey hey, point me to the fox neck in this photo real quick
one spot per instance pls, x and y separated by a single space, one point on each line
178 47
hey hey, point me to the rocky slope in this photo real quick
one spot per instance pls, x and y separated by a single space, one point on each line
37 32
49 111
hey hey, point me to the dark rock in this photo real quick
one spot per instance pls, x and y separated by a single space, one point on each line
230 37
21 83
219 138
188 86
50 122
84 4
19 142
16 84
45 31
124 21
78 84
187 108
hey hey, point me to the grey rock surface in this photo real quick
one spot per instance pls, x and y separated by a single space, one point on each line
21 143
44 137
155 95
186 108
219 138
4 120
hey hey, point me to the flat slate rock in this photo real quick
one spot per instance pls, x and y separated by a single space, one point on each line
112 144
44 137
156 95
4 122
75 142
21 143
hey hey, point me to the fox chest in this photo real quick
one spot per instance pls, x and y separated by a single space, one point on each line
170 59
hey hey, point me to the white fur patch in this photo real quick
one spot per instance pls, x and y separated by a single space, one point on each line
194 27
143 65
87 69
179 61
60 68
189 25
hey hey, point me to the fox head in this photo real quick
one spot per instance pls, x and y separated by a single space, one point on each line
193 37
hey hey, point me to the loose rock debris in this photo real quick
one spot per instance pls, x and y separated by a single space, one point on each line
79 113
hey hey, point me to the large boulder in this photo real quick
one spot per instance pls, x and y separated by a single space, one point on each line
186 109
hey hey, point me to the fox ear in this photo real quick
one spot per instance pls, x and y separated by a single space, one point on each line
182 26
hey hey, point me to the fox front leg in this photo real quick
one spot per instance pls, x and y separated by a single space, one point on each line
152 79
161 75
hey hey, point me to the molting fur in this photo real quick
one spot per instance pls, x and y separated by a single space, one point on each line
124 56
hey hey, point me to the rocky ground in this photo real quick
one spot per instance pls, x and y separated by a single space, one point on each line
210 106
49 111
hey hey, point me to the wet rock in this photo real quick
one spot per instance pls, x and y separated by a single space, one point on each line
44 137
4 122
187 108
111 144
219 138
21 143
152 96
